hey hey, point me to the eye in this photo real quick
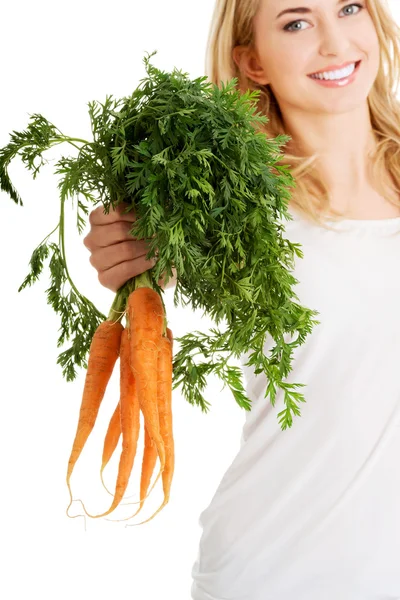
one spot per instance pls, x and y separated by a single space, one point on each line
289 26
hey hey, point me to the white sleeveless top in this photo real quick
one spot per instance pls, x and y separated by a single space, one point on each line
313 512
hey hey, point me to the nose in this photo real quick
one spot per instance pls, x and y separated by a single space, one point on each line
334 40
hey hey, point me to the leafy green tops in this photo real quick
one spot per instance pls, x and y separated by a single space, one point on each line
191 160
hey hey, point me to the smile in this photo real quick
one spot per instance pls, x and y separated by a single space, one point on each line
338 78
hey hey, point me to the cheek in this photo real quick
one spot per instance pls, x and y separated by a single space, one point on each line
370 52
284 65
369 43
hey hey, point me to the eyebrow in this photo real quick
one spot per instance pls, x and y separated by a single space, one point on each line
301 10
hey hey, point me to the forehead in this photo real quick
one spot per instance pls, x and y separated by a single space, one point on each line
277 8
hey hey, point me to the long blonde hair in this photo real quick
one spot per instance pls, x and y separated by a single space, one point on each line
232 25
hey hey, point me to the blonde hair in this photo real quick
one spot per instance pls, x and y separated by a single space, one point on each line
232 25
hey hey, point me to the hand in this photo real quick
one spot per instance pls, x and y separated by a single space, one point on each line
114 253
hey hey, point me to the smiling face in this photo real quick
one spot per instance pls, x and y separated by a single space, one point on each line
289 46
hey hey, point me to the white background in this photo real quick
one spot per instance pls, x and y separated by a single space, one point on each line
55 59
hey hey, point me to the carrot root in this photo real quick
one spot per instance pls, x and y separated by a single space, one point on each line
145 386
165 418
103 354
129 423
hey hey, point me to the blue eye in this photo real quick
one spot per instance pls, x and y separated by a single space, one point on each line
289 26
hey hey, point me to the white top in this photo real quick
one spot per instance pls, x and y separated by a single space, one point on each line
313 512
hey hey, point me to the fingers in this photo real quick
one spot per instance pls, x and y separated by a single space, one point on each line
108 234
116 255
115 277
108 257
98 217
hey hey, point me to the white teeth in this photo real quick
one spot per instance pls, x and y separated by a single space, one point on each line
331 75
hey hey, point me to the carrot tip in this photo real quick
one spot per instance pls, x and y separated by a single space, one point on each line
150 518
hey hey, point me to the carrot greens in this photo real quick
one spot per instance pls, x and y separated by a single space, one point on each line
192 161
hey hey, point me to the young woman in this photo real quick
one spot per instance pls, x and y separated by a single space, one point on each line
313 512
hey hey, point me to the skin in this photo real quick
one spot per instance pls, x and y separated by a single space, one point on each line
114 253
332 121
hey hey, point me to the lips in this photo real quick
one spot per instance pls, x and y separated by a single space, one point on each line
336 68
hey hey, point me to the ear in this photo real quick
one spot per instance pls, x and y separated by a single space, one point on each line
248 64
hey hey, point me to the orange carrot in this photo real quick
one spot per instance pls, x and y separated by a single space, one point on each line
146 317
164 396
103 353
110 443
112 437
148 464
130 423
165 412
111 440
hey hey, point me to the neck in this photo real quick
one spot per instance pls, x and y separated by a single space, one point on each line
344 143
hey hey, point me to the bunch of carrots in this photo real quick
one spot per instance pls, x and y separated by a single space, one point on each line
144 348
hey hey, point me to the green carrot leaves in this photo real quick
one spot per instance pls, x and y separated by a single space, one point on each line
193 162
